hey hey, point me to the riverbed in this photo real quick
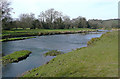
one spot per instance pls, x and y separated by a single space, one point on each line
39 46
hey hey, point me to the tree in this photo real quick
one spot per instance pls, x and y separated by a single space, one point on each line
93 24
51 17
16 23
79 22
5 17
36 24
27 20
67 22
83 23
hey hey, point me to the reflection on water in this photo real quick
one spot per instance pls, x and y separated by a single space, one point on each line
39 46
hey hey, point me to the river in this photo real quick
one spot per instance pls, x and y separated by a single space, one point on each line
39 46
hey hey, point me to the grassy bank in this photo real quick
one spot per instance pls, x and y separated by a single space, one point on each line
13 39
16 56
99 59
38 32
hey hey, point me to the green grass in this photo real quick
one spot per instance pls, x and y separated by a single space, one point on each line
53 53
16 56
99 59
35 32
20 34
13 39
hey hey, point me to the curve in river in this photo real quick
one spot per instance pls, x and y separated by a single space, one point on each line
39 46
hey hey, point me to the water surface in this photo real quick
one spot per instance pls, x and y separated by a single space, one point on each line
40 45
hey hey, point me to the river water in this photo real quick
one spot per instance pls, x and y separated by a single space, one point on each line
39 46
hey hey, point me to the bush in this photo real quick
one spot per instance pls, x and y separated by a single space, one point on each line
53 53
92 41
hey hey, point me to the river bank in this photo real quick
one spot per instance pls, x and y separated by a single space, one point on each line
99 59
14 34
14 39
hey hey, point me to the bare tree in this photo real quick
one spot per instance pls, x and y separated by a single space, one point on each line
5 14
27 20
67 21
51 17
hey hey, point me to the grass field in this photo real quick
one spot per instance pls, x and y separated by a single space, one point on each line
99 59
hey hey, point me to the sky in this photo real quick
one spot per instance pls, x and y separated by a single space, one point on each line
91 9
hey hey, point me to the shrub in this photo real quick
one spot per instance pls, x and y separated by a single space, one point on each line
53 53
92 41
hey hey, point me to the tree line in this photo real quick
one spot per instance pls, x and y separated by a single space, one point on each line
49 19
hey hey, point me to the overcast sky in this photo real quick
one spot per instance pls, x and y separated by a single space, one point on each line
91 9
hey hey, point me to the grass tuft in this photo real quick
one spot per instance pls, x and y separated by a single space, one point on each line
16 56
53 53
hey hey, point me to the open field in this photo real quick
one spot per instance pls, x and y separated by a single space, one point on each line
99 59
